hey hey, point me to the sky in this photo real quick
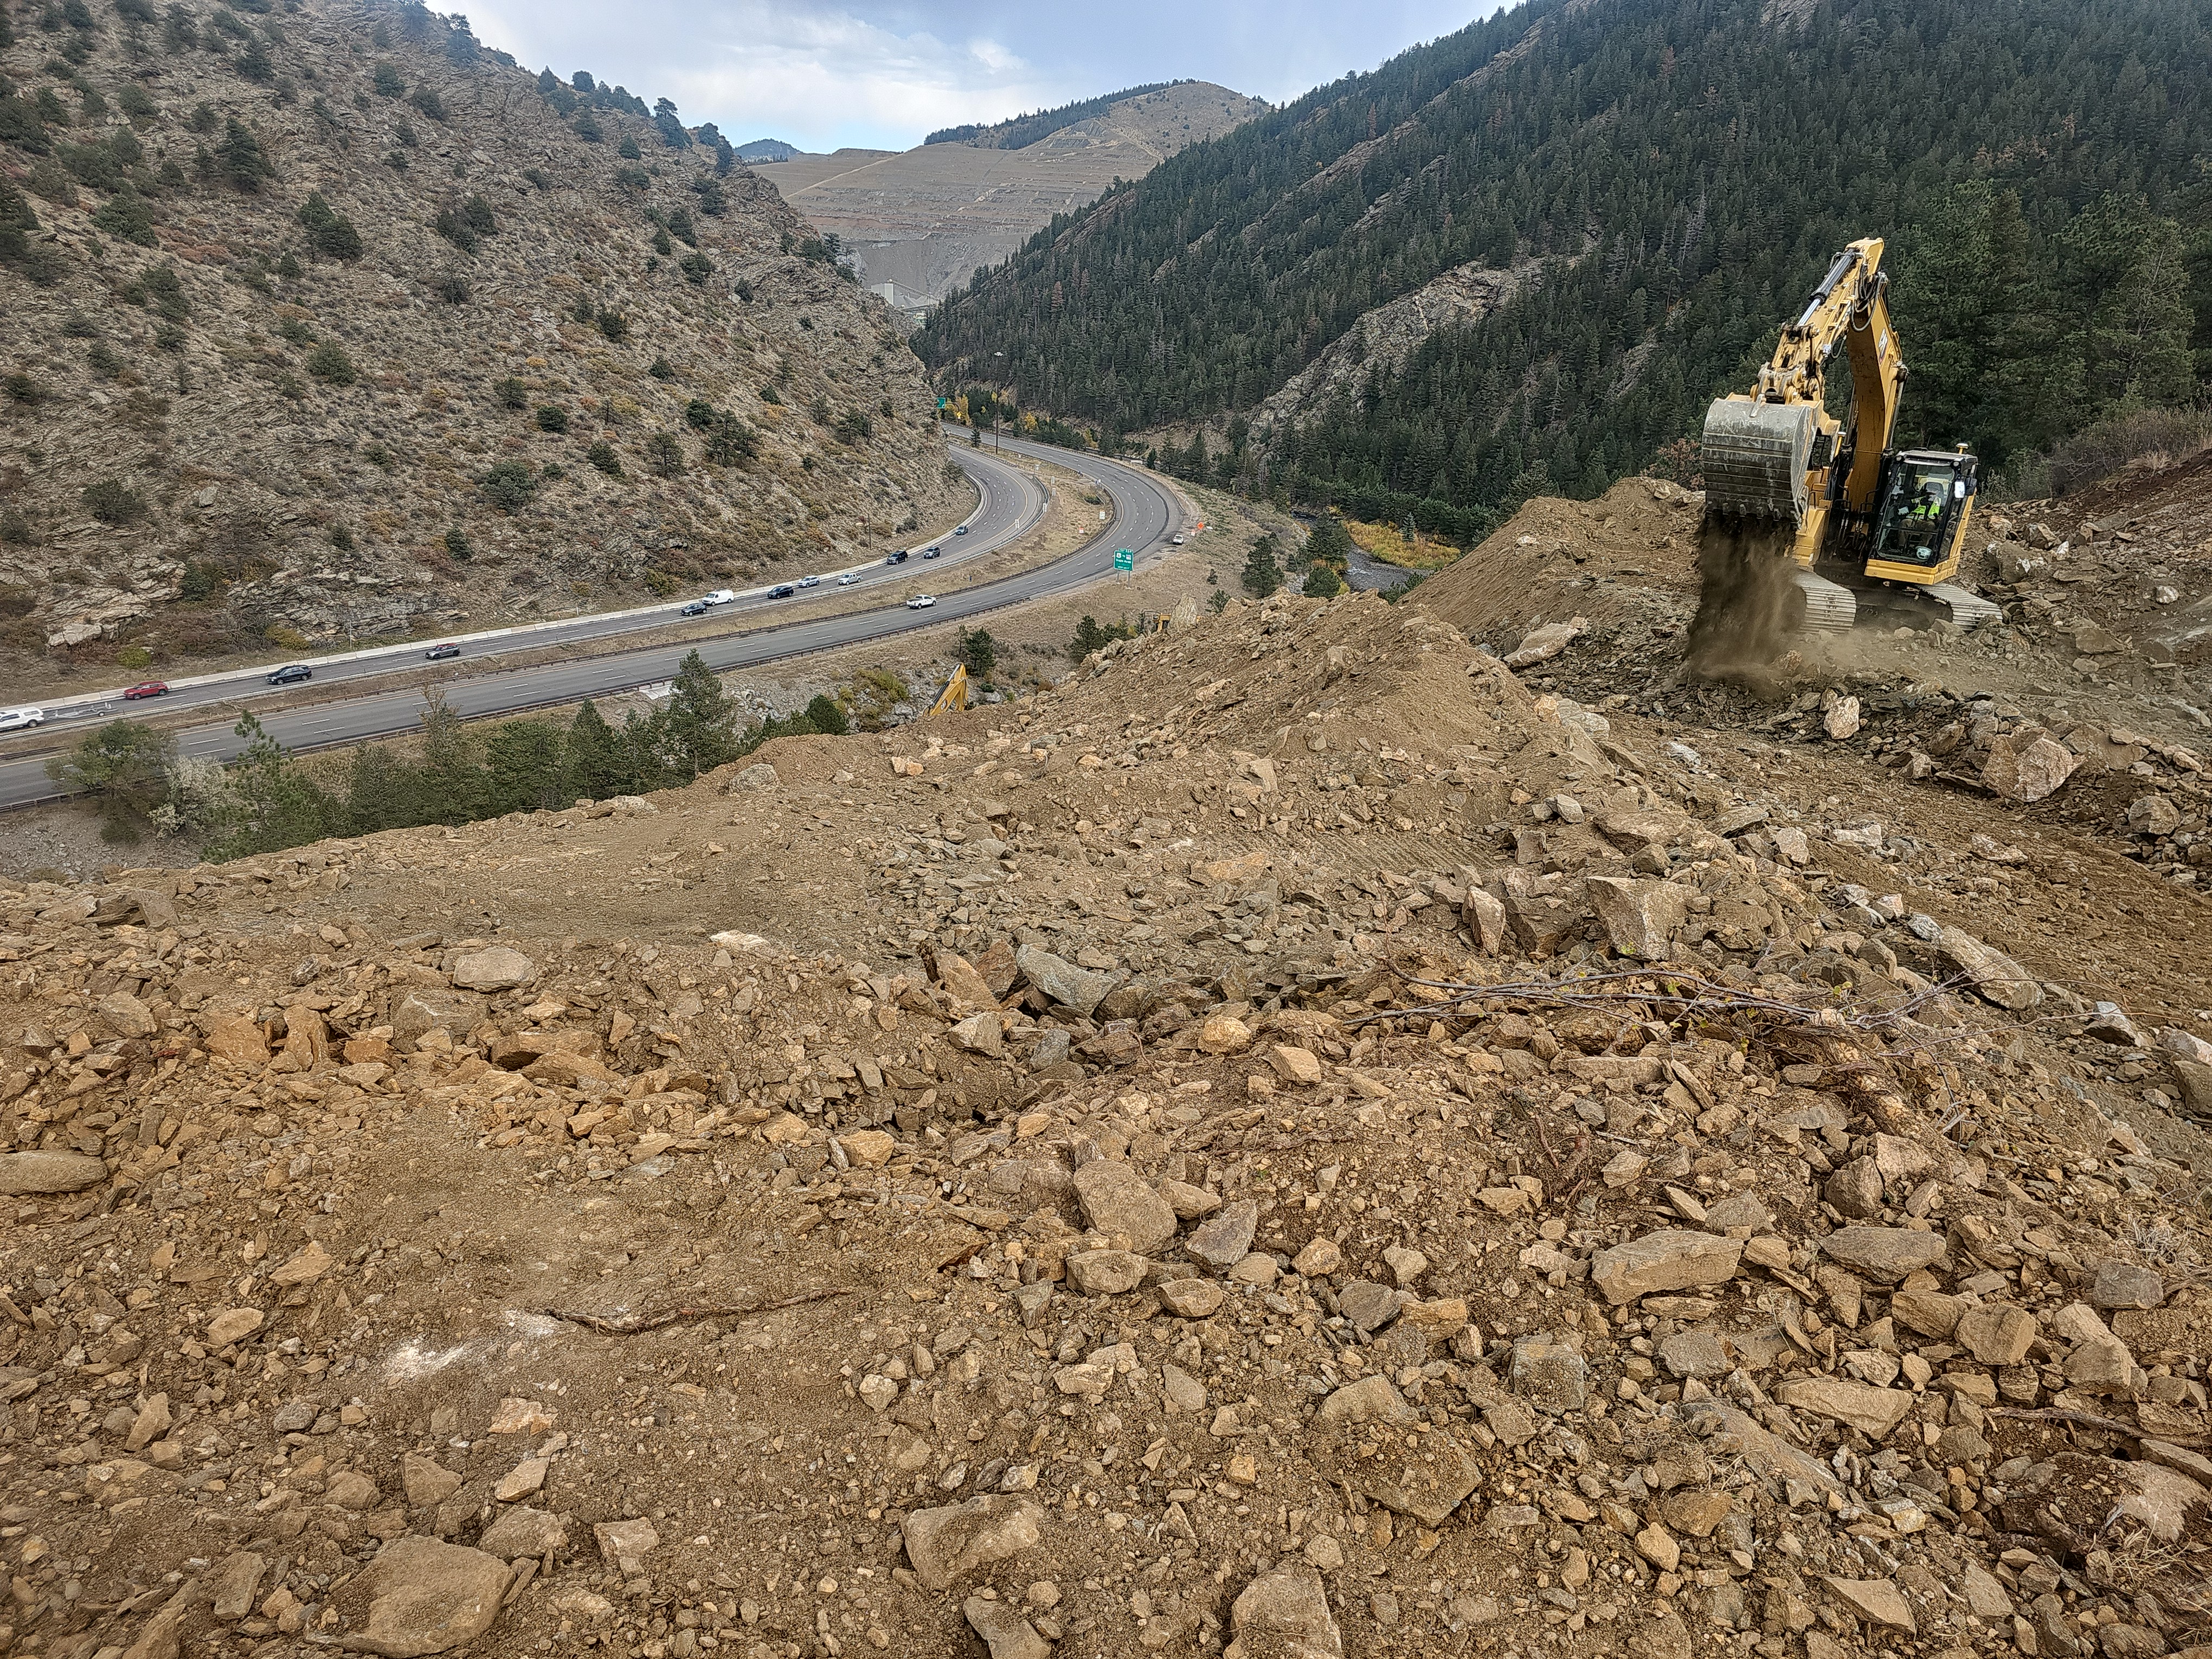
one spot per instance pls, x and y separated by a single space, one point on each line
822 74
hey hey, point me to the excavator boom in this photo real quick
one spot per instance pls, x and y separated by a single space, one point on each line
1789 487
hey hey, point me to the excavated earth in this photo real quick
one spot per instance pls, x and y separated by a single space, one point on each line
1298 1142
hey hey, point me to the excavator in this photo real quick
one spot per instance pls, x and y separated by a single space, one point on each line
1809 520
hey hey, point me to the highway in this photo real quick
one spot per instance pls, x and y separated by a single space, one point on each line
1146 514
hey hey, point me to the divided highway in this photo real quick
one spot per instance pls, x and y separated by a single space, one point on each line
1145 513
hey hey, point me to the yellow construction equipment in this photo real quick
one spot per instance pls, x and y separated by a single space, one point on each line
1792 491
954 698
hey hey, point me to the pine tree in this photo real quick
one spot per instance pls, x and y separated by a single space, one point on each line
701 720
1262 575
594 765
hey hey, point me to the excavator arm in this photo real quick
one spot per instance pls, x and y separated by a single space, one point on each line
1768 453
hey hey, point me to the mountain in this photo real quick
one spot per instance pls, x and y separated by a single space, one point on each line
922 220
328 322
1024 130
766 149
1591 217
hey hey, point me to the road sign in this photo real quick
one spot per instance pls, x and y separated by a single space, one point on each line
1124 559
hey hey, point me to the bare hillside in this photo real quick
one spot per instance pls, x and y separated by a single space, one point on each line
924 219
324 325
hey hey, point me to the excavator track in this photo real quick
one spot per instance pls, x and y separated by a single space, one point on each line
1830 607
1884 603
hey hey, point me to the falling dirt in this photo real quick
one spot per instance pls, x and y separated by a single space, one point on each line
1749 607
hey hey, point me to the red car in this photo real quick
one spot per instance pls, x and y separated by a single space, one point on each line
150 688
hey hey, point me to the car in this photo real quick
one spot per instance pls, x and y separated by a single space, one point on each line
441 653
933 548
697 608
962 531
146 689
929 553
847 580
1178 541
810 582
922 602
18 719
292 674
897 556
782 591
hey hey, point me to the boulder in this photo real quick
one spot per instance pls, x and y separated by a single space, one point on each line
421 1596
1877 1600
523 1531
1284 1615
1995 976
124 1016
1549 1373
1222 1241
239 1039
1542 643
41 1174
502 968
1997 1335
1080 990
1885 1255
944 1545
1673 1259
2124 1285
978 1034
1105 1272
1191 1298
424 1010
1005 1631
1641 918
1371 1400
1873 1412
1842 720
1117 1201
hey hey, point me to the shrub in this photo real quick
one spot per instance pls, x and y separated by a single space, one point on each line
328 363
696 268
51 180
826 717
633 178
511 393
602 455
853 425
451 226
551 417
330 232
509 485
679 226
16 531
137 102
342 538
20 124
453 289
628 149
700 414
614 326
2166 436
159 290
585 128
112 501
730 441
457 543
1323 583
124 216
664 454
476 213
430 103
387 81
296 331
103 360
661 243
253 63
22 389
661 369
769 396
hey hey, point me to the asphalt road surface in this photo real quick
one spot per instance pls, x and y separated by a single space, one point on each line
1145 516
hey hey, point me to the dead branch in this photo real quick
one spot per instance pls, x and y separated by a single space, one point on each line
637 1322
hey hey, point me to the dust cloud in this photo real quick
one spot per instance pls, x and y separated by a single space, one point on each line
1749 607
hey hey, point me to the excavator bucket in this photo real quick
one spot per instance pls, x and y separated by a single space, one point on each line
1754 458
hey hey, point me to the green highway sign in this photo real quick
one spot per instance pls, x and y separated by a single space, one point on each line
1124 559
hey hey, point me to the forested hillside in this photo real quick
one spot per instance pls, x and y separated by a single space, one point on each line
1685 169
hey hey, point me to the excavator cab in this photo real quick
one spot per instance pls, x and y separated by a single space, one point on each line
1920 516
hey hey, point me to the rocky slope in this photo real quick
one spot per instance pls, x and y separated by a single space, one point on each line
1294 1144
925 219
324 325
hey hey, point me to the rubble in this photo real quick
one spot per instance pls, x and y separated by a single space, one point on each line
1699 1252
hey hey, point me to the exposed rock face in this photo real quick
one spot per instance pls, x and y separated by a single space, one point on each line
923 220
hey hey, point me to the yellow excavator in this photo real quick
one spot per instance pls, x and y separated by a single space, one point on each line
954 698
1793 492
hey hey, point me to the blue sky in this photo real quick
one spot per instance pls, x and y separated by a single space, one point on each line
822 74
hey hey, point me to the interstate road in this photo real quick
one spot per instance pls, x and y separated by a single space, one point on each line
1146 514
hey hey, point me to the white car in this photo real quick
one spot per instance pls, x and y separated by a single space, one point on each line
922 602
810 582
848 580
1178 541
16 720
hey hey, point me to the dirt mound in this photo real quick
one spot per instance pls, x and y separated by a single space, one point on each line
1628 557
1293 1131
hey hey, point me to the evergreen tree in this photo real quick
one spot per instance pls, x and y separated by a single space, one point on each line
523 761
701 720
1262 575
594 763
